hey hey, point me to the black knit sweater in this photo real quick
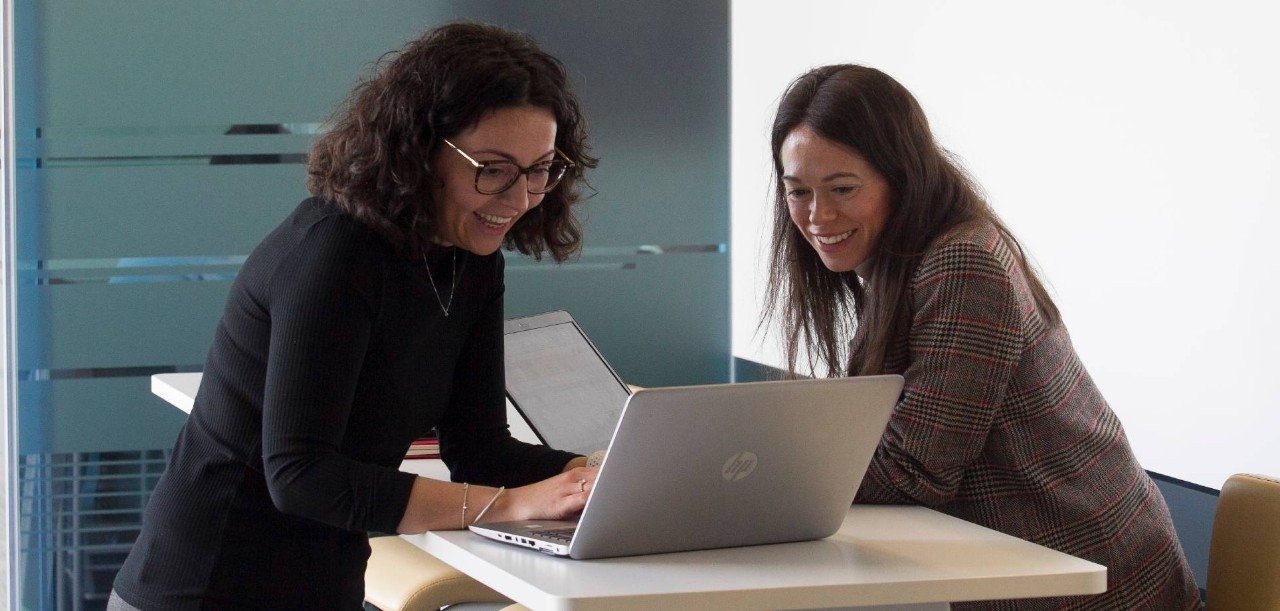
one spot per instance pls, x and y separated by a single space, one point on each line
332 355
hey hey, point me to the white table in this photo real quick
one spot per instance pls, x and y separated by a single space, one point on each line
179 389
884 557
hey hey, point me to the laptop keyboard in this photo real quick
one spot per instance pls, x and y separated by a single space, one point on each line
560 535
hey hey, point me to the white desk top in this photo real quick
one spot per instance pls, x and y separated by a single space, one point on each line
883 555
179 389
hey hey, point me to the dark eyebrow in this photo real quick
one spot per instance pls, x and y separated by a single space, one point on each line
827 178
508 157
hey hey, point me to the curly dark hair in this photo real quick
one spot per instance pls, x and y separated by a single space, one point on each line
374 162
873 115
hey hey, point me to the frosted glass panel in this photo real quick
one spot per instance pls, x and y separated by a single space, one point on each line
159 142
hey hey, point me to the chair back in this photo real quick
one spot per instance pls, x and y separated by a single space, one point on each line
1244 553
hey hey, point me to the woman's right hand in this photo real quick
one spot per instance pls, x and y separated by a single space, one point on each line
439 505
559 497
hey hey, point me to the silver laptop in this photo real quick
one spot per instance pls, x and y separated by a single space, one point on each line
726 465
560 383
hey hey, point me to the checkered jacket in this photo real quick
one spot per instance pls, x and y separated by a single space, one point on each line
999 424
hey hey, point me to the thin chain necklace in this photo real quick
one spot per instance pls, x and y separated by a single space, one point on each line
452 290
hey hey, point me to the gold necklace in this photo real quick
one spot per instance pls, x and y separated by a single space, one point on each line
452 290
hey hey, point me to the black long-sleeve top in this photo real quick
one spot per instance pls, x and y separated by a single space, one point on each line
332 355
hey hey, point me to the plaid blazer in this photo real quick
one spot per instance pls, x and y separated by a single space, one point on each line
999 424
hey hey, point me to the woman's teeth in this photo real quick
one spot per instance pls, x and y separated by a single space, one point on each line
833 239
495 221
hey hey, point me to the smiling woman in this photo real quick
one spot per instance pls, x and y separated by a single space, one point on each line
371 315
474 214
838 201
884 245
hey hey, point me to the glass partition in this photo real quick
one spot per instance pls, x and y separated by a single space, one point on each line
156 143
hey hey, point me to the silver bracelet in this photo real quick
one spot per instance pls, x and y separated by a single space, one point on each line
490 504
463 522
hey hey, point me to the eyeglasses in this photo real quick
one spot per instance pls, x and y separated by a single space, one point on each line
494 177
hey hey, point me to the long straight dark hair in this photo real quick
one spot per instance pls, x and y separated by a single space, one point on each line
821 311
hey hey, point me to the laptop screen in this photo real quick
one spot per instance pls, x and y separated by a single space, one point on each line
561 384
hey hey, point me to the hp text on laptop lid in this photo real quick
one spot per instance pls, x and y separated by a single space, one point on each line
702 467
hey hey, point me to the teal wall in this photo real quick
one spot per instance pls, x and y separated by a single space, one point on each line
652 289
158 142
133 101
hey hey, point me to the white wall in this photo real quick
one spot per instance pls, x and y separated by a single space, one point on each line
1134 148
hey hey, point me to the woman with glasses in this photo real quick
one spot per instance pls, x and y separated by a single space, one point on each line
371 315
886 259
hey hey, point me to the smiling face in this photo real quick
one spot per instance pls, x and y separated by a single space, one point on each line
470 220
838 201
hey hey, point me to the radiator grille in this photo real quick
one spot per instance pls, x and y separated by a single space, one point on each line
79 515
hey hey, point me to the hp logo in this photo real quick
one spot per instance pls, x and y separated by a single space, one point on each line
739 466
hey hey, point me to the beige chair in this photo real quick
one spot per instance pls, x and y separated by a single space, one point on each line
402 577
1244 553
